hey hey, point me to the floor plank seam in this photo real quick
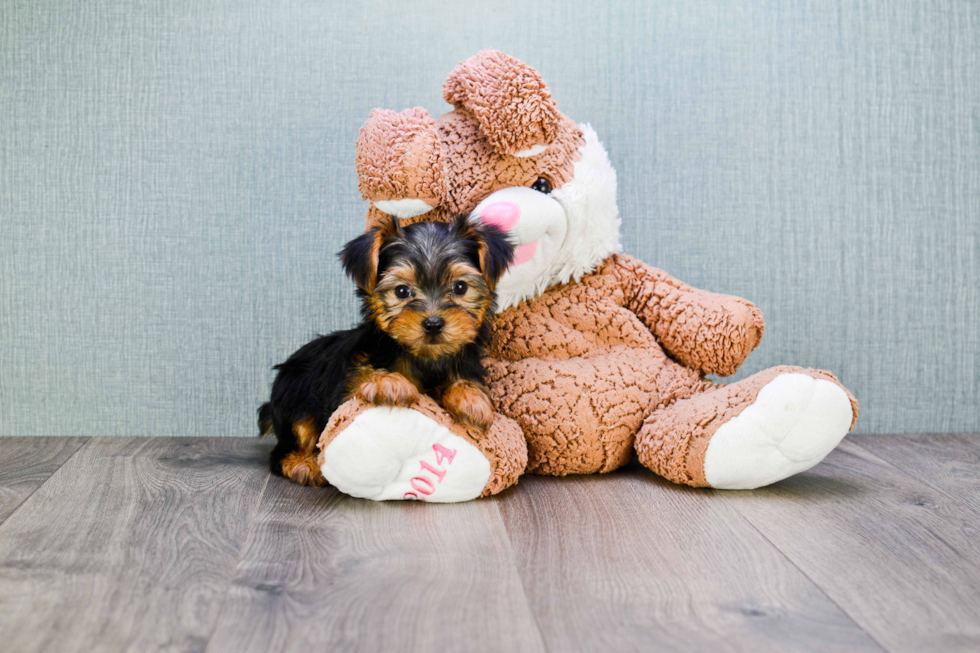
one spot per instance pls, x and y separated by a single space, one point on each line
520 576
857 623
238 562
34 491
914 477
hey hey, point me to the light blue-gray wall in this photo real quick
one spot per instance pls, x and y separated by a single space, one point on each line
175 177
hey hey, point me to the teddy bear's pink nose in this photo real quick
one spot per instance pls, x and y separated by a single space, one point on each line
502 214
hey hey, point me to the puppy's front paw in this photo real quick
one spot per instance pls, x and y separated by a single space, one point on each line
388 389
302 468
468 403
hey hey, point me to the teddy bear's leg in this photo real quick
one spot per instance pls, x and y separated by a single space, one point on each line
418 453
757 431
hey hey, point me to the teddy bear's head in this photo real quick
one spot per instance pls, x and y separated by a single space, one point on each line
505 155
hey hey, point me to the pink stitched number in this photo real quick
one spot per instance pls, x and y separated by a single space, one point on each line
438 471
423 485
415 483
442 453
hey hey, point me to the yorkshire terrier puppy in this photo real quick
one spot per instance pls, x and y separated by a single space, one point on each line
427 295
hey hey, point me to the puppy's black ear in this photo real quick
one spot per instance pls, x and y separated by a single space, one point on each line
495 251
360 256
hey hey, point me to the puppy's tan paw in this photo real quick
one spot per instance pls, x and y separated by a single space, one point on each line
469 404
302 468
391 389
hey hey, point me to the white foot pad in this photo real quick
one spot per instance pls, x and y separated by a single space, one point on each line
794 422
399 453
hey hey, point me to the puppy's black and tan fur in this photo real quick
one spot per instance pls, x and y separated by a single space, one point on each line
427 296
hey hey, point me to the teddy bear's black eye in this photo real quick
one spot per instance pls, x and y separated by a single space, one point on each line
542 185
459 288
403 292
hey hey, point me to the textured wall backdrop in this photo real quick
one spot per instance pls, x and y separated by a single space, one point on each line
175 177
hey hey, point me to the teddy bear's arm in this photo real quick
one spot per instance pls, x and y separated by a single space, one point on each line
705 331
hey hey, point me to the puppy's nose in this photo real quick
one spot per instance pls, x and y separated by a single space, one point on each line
433 324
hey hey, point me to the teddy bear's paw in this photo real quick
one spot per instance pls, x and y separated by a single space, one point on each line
793 423
399 453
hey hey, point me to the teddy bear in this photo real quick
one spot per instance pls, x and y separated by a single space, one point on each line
595 356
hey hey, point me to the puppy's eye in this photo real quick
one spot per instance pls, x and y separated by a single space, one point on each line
403 292
542 185
459 288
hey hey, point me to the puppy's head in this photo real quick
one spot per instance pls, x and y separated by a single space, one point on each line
428 285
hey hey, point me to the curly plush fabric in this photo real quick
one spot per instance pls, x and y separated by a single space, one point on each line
508 99
478 169
398 155
579 368
705 331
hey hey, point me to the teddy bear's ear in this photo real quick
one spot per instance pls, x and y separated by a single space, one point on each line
509 100
399 162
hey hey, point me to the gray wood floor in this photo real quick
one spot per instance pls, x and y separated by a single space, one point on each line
113 544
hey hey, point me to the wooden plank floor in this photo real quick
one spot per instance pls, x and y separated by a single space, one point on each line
129 544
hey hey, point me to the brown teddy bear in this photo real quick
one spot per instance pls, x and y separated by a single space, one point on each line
594 354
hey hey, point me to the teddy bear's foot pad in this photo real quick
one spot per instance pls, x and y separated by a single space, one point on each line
793 423
399 453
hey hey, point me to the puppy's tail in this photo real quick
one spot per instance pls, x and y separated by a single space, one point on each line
265 420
